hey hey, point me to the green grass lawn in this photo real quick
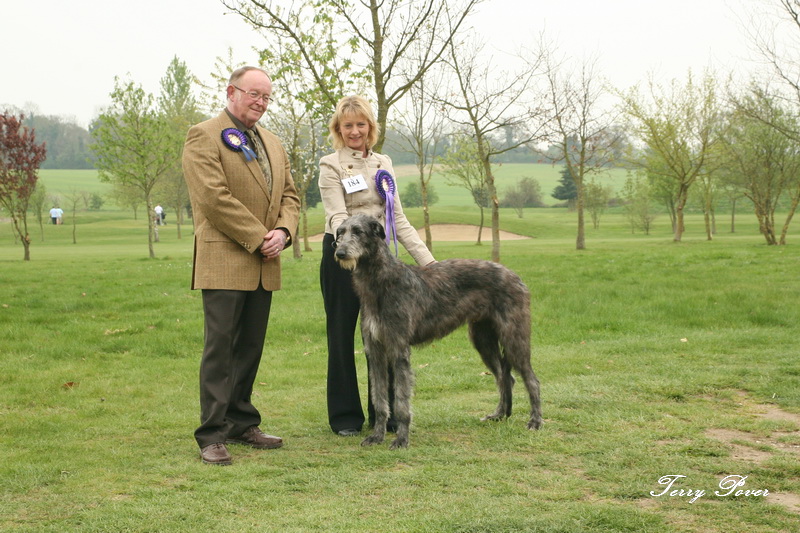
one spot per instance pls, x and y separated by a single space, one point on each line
655 358
64 182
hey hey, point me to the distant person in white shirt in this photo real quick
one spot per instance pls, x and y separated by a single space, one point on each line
159 214
55 215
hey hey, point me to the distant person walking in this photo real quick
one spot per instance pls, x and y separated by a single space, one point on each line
159 214
55 215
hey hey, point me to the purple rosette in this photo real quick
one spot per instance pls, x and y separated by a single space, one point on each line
384 182
237 141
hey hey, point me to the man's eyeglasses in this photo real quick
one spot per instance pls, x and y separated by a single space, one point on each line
255 95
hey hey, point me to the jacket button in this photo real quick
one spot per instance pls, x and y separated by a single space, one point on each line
349 166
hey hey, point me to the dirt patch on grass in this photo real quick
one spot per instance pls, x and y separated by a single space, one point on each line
752 448
454 233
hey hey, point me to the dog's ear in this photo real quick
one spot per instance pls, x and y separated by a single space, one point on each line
377 229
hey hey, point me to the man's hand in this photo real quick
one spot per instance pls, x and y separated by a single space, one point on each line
274 243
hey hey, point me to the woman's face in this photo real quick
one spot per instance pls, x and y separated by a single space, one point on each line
354 130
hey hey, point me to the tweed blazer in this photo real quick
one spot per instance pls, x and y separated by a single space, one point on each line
233 210
339 204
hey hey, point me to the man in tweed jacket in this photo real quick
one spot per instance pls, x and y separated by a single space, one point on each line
245 208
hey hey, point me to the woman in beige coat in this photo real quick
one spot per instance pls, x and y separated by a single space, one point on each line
347 185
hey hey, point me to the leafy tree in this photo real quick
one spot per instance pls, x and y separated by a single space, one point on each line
636 195
126 196
133 145
20 158
525 193
180 110
663 188
463 168
412 195
679 127
566 190
766 158
596 198
731 188
95 201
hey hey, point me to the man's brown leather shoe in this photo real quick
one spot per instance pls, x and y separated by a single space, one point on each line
215 454
257 439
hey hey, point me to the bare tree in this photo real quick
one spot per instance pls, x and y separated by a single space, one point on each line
422 129
76 200
488 102
210 100
298 130
579 125
678 125
37 203
776 38
338 40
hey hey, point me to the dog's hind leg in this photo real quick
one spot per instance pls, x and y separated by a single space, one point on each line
379 389
532 384
484 338
517 351
403 385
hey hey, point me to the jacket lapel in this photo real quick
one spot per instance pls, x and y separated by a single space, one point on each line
252 165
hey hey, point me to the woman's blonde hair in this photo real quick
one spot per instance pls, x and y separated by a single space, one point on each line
352 106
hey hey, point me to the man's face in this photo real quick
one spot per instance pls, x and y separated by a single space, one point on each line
240 102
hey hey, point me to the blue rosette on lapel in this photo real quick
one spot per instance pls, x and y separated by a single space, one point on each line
237 141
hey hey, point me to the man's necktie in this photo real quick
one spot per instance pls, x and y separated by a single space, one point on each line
261 154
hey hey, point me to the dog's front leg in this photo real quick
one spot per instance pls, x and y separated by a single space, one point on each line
403 385
379 387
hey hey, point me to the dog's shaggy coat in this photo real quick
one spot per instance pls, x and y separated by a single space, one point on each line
404 305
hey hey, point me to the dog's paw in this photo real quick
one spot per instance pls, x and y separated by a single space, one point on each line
398 443
372 440
535 423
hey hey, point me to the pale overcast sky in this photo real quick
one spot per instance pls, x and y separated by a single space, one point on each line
63 56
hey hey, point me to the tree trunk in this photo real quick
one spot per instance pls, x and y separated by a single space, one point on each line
426 216
495 210
480 228
707 219
789 217
679 227
152 232
580 241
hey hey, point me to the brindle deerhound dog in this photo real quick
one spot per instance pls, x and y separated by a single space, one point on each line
404 305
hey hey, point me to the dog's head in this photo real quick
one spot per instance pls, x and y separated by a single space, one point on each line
352 239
